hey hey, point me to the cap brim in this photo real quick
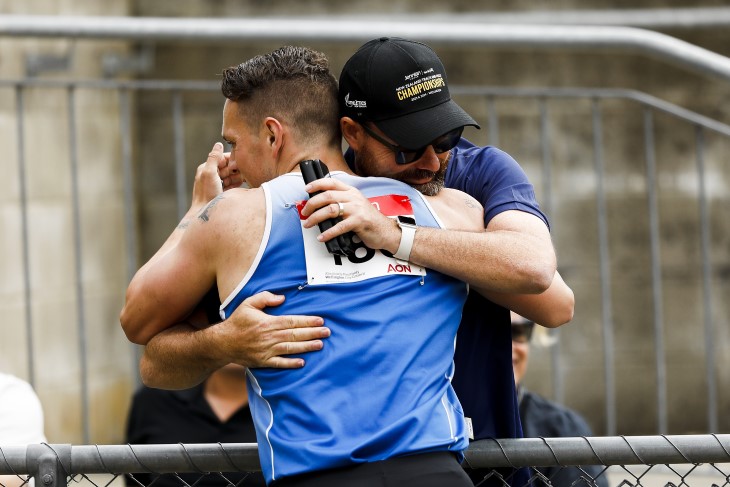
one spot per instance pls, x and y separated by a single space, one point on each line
418 129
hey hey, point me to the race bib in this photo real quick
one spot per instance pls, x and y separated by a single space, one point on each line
326 268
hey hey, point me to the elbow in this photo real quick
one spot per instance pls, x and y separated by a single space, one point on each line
147 373
133 331
540 279
540 272
152 375
136 330
562 312
544 278
143 316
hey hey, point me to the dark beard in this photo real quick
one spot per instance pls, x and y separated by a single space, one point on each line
365 168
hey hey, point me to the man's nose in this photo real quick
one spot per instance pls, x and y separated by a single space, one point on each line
429 161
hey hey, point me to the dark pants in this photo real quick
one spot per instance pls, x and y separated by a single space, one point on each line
439 469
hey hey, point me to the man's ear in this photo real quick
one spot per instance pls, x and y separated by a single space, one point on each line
274 135
352 132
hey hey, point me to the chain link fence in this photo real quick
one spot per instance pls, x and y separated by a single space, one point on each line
648 461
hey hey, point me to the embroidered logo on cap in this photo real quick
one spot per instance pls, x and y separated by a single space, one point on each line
355 103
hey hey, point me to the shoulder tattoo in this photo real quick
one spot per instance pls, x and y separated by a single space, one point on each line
205 214
470 202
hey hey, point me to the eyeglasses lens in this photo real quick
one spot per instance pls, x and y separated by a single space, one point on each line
443 144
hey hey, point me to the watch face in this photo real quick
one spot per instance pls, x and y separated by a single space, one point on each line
406 220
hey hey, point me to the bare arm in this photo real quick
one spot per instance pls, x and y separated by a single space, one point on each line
184 355
551 308
511 263
169 287
516 255
175 356
142 316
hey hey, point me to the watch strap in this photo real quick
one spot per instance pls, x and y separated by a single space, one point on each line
408 235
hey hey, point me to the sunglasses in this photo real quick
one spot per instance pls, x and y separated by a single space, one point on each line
405 156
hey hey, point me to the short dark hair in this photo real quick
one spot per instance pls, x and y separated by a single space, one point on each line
291 83
522 329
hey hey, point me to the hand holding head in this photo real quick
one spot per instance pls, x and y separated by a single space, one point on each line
208 183
229 173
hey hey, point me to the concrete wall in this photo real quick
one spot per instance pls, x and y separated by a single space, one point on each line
56 358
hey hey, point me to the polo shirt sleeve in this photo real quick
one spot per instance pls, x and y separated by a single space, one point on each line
494 178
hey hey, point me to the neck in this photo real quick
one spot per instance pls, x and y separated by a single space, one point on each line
225 391
228 382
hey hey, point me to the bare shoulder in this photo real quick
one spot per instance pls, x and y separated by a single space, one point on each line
454 197
217 222
230 229
231 205
458 210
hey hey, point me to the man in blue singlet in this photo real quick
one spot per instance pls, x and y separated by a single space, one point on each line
377 402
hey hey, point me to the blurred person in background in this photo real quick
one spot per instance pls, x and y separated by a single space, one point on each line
542 418
215 411
21 419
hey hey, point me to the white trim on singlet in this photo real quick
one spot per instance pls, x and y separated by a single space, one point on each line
435 216
257 388
259 253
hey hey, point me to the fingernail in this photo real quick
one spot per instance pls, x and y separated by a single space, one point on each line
218 145
307 188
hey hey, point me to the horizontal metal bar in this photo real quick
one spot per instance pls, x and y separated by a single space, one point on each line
230 457
647 18
94 459
607 450
112 84
537 92
638 96
541 37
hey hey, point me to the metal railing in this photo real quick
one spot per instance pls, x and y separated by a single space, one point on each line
691 460
543 37
651 105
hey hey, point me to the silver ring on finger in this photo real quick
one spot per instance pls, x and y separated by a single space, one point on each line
342 209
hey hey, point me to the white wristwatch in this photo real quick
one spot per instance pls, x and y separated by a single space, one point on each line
408 233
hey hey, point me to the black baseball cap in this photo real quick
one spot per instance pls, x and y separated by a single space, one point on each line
400 86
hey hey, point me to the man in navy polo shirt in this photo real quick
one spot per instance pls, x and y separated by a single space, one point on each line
399 120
